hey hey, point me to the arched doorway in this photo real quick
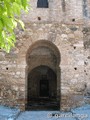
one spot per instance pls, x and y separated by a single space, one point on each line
42 88
43 78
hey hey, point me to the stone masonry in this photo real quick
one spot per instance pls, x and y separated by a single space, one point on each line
57 37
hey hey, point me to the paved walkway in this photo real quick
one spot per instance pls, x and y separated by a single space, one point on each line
81 113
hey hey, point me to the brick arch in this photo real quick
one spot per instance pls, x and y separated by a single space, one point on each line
36 65
44 43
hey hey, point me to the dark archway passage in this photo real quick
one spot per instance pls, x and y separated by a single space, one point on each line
43 78
42 89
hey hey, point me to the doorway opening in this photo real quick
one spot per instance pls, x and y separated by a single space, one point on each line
44 88
43 78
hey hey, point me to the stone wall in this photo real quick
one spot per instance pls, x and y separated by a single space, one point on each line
58 11
64 25
86 32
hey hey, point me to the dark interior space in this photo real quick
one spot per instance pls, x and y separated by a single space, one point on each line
42 89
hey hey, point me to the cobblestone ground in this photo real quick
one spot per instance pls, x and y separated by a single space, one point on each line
81 113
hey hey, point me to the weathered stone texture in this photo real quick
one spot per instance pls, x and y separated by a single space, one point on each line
64 25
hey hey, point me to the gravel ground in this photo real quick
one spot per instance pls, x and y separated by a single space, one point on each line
80 113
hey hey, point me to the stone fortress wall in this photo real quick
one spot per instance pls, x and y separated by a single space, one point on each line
65 25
